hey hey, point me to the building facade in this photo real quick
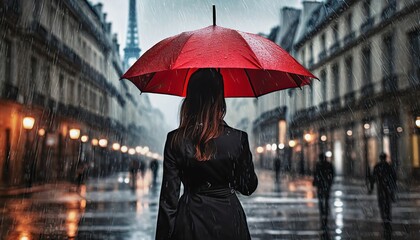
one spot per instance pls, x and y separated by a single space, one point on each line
61 68
366 55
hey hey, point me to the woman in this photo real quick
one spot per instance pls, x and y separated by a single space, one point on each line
212 160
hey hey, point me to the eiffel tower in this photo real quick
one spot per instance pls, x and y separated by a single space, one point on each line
132 49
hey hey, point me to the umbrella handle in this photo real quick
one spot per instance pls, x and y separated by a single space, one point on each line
214 15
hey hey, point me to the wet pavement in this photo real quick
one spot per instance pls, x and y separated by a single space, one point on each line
112 208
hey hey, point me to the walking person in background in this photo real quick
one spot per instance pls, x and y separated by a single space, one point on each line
213 161
277 167
154 167
386 179
323 179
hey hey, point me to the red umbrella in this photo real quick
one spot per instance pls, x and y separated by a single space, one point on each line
251 65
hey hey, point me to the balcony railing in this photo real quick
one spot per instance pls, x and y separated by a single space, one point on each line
367 90
367 25
322 55
349 37
390 83
323 107
335 104
10 92
349 98
389 10
335 47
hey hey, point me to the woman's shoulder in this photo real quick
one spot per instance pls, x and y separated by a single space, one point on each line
235 132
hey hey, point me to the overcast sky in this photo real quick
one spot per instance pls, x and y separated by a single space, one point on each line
159 19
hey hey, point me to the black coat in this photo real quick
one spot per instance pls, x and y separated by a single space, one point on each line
209 207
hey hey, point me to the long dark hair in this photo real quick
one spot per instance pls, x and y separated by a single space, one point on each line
202 112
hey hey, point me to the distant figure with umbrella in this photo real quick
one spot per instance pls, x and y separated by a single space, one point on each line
211 159
323 179
386 179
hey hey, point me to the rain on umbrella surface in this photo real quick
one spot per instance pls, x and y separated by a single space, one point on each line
251 65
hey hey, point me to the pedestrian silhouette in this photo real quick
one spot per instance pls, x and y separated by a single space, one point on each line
154 167
277 166
385 178
134 167
323 179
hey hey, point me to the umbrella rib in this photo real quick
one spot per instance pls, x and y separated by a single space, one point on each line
185 80
249 80
298 85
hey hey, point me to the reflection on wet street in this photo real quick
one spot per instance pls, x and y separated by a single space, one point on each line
119 208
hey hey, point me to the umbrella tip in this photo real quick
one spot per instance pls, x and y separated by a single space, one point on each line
214 15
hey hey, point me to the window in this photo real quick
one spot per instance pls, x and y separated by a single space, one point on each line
71 91
366 8
8 61
47 80
33 74
335 32
311 53
349 73
324 85
61 87
323 44
414 38
336 80
349 23
388 66
366 65
302 57
79 92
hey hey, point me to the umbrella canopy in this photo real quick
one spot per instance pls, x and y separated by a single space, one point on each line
251 65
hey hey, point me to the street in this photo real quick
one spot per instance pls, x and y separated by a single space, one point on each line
111 208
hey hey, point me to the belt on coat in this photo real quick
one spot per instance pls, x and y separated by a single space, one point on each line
213 191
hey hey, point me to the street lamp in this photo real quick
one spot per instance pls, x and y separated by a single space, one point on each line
84 138
116 146
260 149
323 138
418 122
74 133
292 143
103 142
28 124
131 151
95 142
124 149
41 132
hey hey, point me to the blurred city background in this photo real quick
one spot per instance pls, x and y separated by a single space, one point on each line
70 130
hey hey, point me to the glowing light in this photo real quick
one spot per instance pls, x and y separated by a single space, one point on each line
281 145
338 231
338 193
145 150
292 143
155 155
84 138
28 123
323 138
399 129
126 180
149 154
418 122
120 180
274 147
349 132
124 149
116 146
74 133
260 149
103 142
138 149
268 147
41 132
95 142
366 126
328 154
131 151
308 137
